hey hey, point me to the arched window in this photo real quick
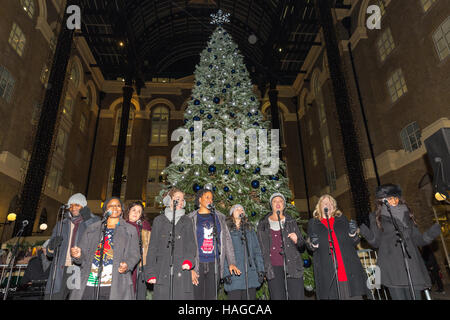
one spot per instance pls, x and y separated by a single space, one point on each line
160 124
112 168
28 6
17 39
156 165
6 84
75 75
117 125
410 136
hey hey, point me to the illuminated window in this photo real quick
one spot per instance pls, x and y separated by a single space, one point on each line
397 85
426 4
385 44
117 126
160 124
410 136
6 84
17 39
28 6
441 38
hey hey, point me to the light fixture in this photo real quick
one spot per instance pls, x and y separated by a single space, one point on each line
121 44
43 227
11 217
280 49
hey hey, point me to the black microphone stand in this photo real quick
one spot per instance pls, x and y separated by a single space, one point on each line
246 255
55 261
171 243
405 253
283 252
332 252
102 249
141 264
12 261
213 212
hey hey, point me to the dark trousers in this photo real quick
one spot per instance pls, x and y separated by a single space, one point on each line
206 289
64 292
277 290
344 290
89 293
436 279
242 294
404 294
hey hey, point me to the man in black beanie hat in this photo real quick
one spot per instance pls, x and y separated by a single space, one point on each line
391 210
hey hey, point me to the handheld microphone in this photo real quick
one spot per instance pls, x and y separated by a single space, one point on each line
175 204
24 223
326 211
139 223
241 215
106 216
210 206
386 202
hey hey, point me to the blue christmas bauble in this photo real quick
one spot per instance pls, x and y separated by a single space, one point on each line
276 178
237 171
249 114
214 189
196 187
216 111
257 170
224 90
211 85
185 121
252 98
307 263
202 111
181 169
212 169
255 184
238 84
230 197
232 114
253 213
199 83
210 66
226 171
215 57
263 189
191 129
196 102
228 86
203 133
255 123
209 116
247 151
233 71
196 118
256 113
226 189
216 100
209 49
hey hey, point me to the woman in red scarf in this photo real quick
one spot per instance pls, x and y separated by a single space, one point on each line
134 216
351 277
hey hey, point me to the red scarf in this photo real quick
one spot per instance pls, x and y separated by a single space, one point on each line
342 276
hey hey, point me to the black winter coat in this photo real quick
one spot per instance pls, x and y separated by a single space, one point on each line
293 251
158 258
323 262
390 257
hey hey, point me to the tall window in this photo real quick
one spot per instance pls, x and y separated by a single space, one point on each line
426 4
75 75
54 178
112 167
385 44
156 165
68 107
160 124
441 38
268 114
28 6
410 136
6 84
17 39
117 126
397 85
61 142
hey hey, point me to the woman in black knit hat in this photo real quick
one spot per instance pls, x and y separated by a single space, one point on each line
382 235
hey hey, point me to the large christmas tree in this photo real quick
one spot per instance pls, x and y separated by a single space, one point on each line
242 169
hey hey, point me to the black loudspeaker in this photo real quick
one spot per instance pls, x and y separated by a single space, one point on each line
438 149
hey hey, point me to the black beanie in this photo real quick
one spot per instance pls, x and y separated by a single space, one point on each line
388 190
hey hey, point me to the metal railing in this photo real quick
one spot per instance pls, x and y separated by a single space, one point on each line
368 259
17 273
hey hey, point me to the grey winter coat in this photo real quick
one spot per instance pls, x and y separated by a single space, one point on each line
323 263
293 251
126 249
158 258
226 245
390 257
62 251
256 259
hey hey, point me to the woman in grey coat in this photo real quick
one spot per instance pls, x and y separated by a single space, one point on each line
159 252
382 235
120 256
246 254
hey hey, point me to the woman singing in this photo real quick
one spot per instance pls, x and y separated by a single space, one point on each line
383 235
351 277
159 252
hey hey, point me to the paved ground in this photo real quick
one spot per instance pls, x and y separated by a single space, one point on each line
441 296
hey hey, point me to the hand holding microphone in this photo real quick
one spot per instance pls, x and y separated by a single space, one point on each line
75 252
352 228
314 240
123 267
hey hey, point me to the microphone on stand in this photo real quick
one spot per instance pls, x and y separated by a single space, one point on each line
175 204
325 210
24 223
386 202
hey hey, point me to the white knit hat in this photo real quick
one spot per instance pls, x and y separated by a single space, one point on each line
277 194
77 198
235 207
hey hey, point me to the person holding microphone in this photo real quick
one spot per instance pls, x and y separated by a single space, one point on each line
120 256
333 239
